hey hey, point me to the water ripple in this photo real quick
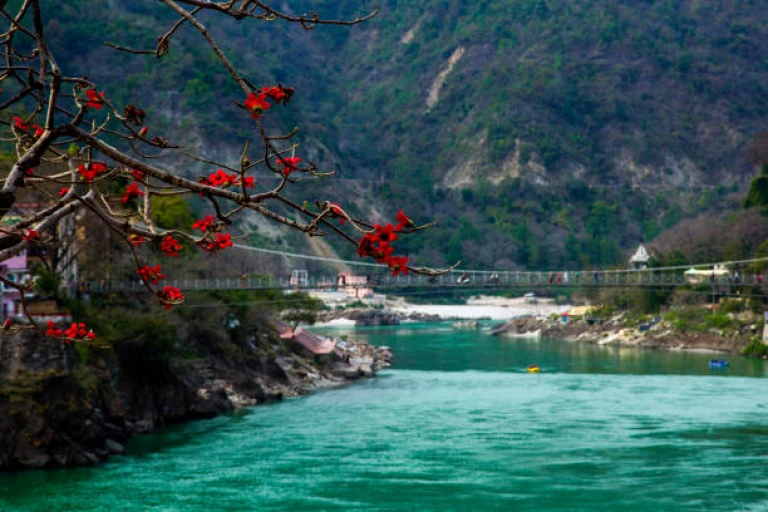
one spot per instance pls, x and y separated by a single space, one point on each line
427 439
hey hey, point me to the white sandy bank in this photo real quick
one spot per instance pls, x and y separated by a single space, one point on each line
495 308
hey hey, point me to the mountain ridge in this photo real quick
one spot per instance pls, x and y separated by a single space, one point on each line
560 134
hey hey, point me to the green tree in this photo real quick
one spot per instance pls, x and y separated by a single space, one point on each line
761 252
301 308
757 196
171 212
601 218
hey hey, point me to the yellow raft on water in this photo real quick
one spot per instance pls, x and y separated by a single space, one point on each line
534 368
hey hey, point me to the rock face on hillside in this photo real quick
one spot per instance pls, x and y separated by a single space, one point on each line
502 120
59 408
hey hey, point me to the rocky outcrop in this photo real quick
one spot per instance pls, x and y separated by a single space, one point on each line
518 326
64 407
622 331
376 317
362 359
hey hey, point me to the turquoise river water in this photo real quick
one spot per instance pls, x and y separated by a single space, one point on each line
457 424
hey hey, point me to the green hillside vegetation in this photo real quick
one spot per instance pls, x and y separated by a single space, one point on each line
565 134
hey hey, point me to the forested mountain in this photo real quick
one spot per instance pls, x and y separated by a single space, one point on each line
539 133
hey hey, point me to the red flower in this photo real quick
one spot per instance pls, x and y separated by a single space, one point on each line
223 240
76 332
383 253
403 221
256 104
52 331
377 245
220 243
31 236
143 132
203 224
137 175
91 170
152 274
217 178
170 246
336 211
248 182
169 296
72 331
136 240
7 324
397 264
63 192
134 115
289 164
387 233
132 192
365 245
279 94
95 100
38 131
20 124
221 178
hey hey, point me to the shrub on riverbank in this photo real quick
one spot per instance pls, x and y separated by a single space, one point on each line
700 320
756 348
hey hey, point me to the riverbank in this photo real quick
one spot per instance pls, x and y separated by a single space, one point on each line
669 332
731 329
64 406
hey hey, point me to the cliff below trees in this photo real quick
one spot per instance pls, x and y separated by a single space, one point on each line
62 405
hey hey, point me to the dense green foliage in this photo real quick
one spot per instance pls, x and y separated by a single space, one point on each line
756 348
172 212
566 133
698 319
46 282
757 195
143 337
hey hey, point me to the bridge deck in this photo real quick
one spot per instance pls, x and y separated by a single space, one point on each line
483 279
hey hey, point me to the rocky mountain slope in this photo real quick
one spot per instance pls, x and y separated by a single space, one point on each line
539 133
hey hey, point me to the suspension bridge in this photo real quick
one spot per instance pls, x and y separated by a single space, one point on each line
378 278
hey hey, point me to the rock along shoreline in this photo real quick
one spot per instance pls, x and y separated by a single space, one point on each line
619 330
58 411
545 319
